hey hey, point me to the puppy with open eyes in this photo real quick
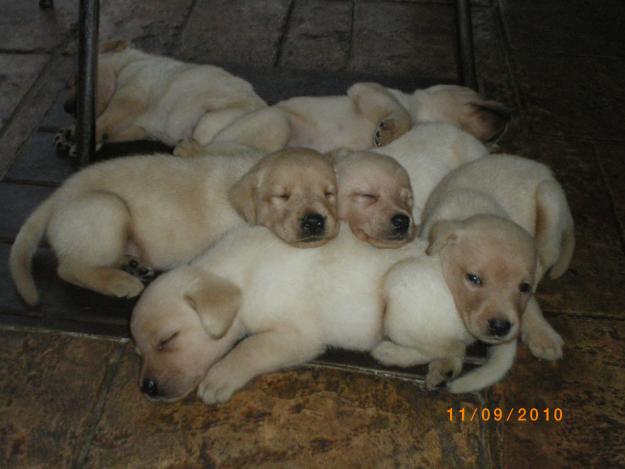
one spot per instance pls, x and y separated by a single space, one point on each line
288 305
164 211
516 199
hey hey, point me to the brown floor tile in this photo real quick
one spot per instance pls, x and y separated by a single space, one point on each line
596 281
49 386
572 96
318 35
18 74
300 418
612 159
573 28
588 384
245 32
404 38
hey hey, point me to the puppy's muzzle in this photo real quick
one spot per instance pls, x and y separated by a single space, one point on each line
401 224
149 387
313 225
499 327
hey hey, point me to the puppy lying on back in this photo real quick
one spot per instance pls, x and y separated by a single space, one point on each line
143 96
370 115
165 211
524 192
291 304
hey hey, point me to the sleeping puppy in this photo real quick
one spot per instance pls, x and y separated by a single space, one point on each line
371 115
375 198
482 269
526 193
165 211
142 96
289 304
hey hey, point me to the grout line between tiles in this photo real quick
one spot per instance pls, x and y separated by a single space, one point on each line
284 31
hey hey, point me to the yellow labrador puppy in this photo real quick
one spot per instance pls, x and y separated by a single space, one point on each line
526 193
375 198
145 96
289 304
370 115
165 211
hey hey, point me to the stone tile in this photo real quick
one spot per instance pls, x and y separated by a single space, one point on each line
39 163
299 418
244 32
62 305
56 117
26 27
404 39
318 35
588 384
49 386
152 26
611 159
596 281
491 66
572 28
17 202
573 96
18 73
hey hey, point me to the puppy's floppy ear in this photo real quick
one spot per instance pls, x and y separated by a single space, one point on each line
487 119
242 194
116 45
216 301
442 233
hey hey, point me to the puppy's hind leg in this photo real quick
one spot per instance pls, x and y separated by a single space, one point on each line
554 235
89 236
378 106
390 353
256 354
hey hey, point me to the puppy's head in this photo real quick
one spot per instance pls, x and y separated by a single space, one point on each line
463 107
181 327
489 264
106 78
293 193
375 198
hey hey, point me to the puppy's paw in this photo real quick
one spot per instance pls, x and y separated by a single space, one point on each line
219 385
385 133
187 149
442 370
123 285
389 353
134 267
64 140
544 343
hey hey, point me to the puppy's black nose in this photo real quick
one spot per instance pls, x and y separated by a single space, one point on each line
401 223
499 327
149 387
313 224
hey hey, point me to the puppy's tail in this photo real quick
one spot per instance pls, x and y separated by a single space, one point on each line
23 250
500 360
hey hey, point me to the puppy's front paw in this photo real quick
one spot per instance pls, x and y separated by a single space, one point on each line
134 267
385 133
64 140
219 385
544 343
442 370
187 149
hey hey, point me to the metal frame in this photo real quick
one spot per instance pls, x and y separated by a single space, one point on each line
88 63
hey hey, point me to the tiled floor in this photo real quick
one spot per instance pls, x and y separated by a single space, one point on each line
71 400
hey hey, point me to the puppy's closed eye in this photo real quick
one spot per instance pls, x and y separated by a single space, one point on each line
366 197
281 196
162 344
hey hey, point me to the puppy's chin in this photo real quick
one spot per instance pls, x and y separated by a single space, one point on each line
309 242
387 242
493 340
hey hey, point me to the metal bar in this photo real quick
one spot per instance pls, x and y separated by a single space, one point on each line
87 75
464 42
